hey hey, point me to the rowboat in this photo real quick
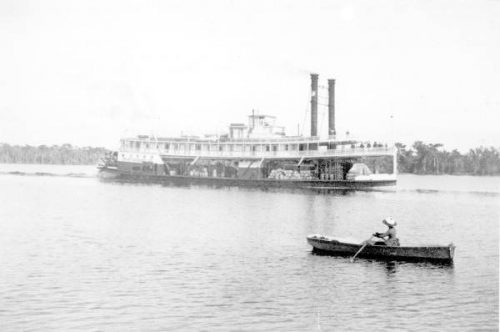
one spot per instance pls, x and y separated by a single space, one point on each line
337 247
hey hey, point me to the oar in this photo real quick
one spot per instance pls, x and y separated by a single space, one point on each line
361 249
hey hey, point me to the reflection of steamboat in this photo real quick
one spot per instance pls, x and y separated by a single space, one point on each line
258 154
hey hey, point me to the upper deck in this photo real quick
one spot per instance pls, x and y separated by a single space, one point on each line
259 138
275 148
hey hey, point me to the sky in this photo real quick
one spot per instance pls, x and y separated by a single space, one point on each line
90 72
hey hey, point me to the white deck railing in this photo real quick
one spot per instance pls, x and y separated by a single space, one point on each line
339 152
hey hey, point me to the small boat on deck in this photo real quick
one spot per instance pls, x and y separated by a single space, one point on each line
336 247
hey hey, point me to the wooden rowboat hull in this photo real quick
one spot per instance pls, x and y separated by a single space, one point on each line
335 247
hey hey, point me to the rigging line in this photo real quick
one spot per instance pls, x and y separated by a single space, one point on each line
306 112
322 119
303 122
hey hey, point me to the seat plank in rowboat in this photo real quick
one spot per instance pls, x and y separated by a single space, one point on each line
333 246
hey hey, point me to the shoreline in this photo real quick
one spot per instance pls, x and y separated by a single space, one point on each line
400 173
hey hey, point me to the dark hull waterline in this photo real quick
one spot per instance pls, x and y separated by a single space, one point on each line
221 181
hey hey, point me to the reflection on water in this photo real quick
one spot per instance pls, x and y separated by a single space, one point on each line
81 254
186 184
391 267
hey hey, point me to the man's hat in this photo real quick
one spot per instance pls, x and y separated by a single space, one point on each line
389 222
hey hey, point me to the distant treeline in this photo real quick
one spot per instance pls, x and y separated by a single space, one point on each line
420 158
65 154
424 158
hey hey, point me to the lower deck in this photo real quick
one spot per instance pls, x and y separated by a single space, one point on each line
120 174
340 172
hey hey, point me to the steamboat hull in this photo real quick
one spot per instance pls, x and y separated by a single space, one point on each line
235 182
106 172
333 247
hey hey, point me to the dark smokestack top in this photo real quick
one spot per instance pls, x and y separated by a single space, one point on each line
314 104
331 107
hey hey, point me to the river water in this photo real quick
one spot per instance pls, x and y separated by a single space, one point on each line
78 254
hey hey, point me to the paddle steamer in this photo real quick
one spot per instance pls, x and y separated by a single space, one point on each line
258 153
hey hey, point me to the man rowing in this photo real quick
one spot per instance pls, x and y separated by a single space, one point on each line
389 237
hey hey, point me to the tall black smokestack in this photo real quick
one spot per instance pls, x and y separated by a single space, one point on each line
331 107
314 104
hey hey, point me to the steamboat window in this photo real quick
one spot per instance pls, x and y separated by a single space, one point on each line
286 147
198 147
166 146
220 147
274 147
254 148
267 148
